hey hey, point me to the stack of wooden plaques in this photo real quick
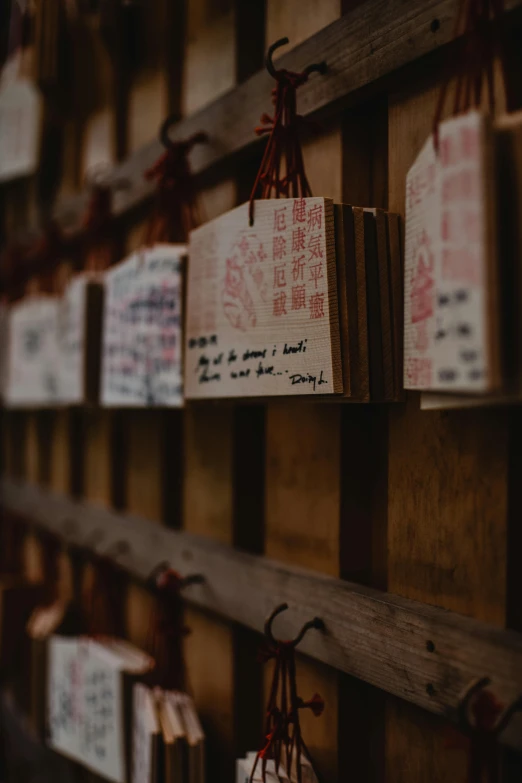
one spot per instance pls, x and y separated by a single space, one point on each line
462 264
168 741
305 301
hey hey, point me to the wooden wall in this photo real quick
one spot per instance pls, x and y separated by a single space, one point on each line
420 503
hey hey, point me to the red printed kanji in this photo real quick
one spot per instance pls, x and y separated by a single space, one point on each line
315 218
279 304
315 247
418 372
299 297
317 306
469 142
262 256
298 268
279 276
280 219
448 151
422 291
243 245
316 273
298 239
299 211
279 247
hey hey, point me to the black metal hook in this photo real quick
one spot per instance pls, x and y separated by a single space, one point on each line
198 138
504 717
316 623
163 567
313 68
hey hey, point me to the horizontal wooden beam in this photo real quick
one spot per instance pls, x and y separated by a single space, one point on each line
374 40
420 653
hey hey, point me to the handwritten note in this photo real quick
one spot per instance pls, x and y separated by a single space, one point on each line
20 124
33 354
262 316
142 342
86 705
451 336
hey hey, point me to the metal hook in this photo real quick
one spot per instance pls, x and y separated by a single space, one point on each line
198 138
316 623
503 719
314 67
463 710
164 566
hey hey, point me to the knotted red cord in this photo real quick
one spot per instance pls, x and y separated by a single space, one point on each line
284 741
43 256
283 145
105 615
484 755
51 567
11 549
481 22
97 228
175 212
13 266
167 631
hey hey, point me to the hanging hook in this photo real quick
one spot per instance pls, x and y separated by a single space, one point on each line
504 716
314 67
197 138
316 623
164 567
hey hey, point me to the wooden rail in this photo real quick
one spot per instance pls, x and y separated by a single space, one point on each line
423 654
375 39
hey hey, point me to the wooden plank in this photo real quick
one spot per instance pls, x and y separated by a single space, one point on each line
447 541
375 636
366 44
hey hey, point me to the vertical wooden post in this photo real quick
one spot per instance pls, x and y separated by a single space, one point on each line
303 449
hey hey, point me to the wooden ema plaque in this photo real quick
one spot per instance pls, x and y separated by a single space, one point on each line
79 335
262 312
32 353
142 339
451 340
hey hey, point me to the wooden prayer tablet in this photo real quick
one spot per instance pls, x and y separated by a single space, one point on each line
142 329
262 311
32 354
508 135
20 121
79 340
393 234
195 737
59 617
98 678
146 732
174 739
353 310
451 331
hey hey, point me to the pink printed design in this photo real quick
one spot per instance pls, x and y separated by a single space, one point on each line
422 293
422 285
244 281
